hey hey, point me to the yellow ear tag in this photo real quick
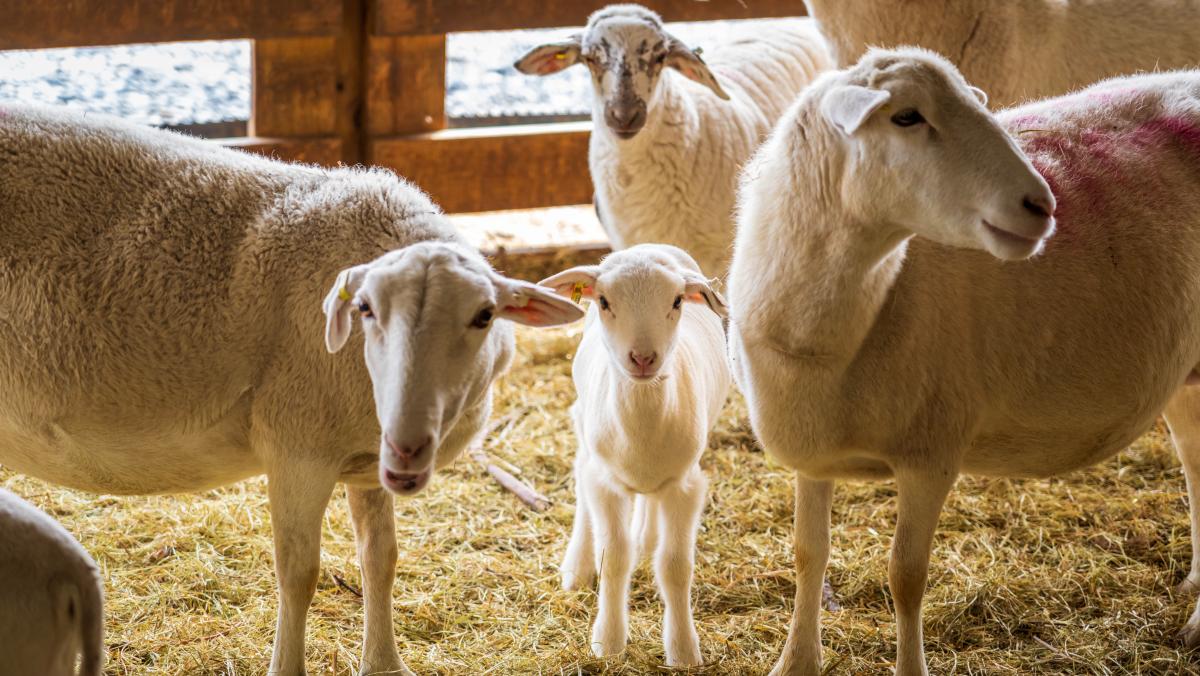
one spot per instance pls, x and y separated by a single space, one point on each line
344 294
560 56
577 292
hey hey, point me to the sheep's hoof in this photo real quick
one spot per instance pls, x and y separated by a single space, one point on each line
606 641
574 577
789 667
688 656
1190 634
398 669
1187 587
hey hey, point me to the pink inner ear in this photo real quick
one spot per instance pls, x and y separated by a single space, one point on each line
530 311
696 297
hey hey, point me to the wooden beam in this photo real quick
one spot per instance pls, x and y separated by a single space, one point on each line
416 17
406 84
40 24
493 168
326 151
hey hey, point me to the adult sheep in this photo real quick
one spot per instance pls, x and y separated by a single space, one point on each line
160 332
1020 50
868 353
670 132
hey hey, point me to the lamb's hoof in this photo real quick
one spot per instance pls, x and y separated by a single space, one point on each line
607 642
385 667
789 667
1187 587
686 657
1190 634
576 580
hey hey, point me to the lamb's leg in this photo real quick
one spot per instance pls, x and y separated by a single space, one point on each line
579 563
375 535
1183 418
676 510
919 500
645 526
298 494
609 509
802 652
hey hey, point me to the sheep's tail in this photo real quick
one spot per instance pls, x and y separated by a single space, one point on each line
91 627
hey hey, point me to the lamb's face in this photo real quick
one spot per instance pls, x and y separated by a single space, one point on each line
625 47
432 345
925 154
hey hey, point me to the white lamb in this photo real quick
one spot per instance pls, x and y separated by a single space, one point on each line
51 598
665 152
651 377
1020 50
160 332
868 353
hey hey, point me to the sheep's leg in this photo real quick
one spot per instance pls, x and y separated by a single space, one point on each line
579 563
645 526
375 535
802 652
676 510
1183 419
298 494
919 500
610 510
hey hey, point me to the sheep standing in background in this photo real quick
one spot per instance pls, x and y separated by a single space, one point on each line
665 148
651 377
51 598
1020 50
160 331
868 353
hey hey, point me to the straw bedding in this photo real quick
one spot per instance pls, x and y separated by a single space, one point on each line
1071 575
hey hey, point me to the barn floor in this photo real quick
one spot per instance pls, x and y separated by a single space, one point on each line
1065 576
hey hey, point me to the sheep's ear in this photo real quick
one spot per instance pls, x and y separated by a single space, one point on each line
979 94
576 283
697 289
533 305
550 58
688 62
338 305
847 107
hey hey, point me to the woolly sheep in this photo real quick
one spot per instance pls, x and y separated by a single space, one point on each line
868 353
160 332
1020 50
665 150
51 598
651 377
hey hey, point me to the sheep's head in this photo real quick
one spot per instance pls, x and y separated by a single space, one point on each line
640 294
626 48
435 335
922 152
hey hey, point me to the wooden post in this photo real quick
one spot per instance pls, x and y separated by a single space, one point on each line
406 85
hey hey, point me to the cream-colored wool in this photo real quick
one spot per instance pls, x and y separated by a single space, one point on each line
867 352
161 331
674 182
51 597
1021 50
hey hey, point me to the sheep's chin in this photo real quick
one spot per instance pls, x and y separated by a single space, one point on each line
405 483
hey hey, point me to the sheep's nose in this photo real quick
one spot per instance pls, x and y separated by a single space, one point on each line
626 119
408 450
643 361
1038 206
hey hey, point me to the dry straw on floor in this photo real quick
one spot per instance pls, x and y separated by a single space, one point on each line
1063 576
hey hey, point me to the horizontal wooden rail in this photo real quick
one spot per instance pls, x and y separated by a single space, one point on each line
326 151
42 24
494 168
418 17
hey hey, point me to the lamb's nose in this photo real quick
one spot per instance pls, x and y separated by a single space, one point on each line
1038 206
643 361
408 450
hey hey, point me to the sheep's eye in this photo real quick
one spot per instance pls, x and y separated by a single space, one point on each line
659 59
678 302
603 303
482 319
365 310
907 118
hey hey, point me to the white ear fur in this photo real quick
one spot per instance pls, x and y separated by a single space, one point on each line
550 58
979 94
564 282
690 65
338 304
533 305
698 289
847 107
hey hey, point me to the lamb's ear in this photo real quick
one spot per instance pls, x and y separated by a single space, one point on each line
688 62
550 58
847 107
575 283
533 305
697 289
338 305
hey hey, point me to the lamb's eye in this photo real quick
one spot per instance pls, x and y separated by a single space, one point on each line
907 118
365 310
678 302
482 319
603 303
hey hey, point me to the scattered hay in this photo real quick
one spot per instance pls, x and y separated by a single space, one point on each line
1064 576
